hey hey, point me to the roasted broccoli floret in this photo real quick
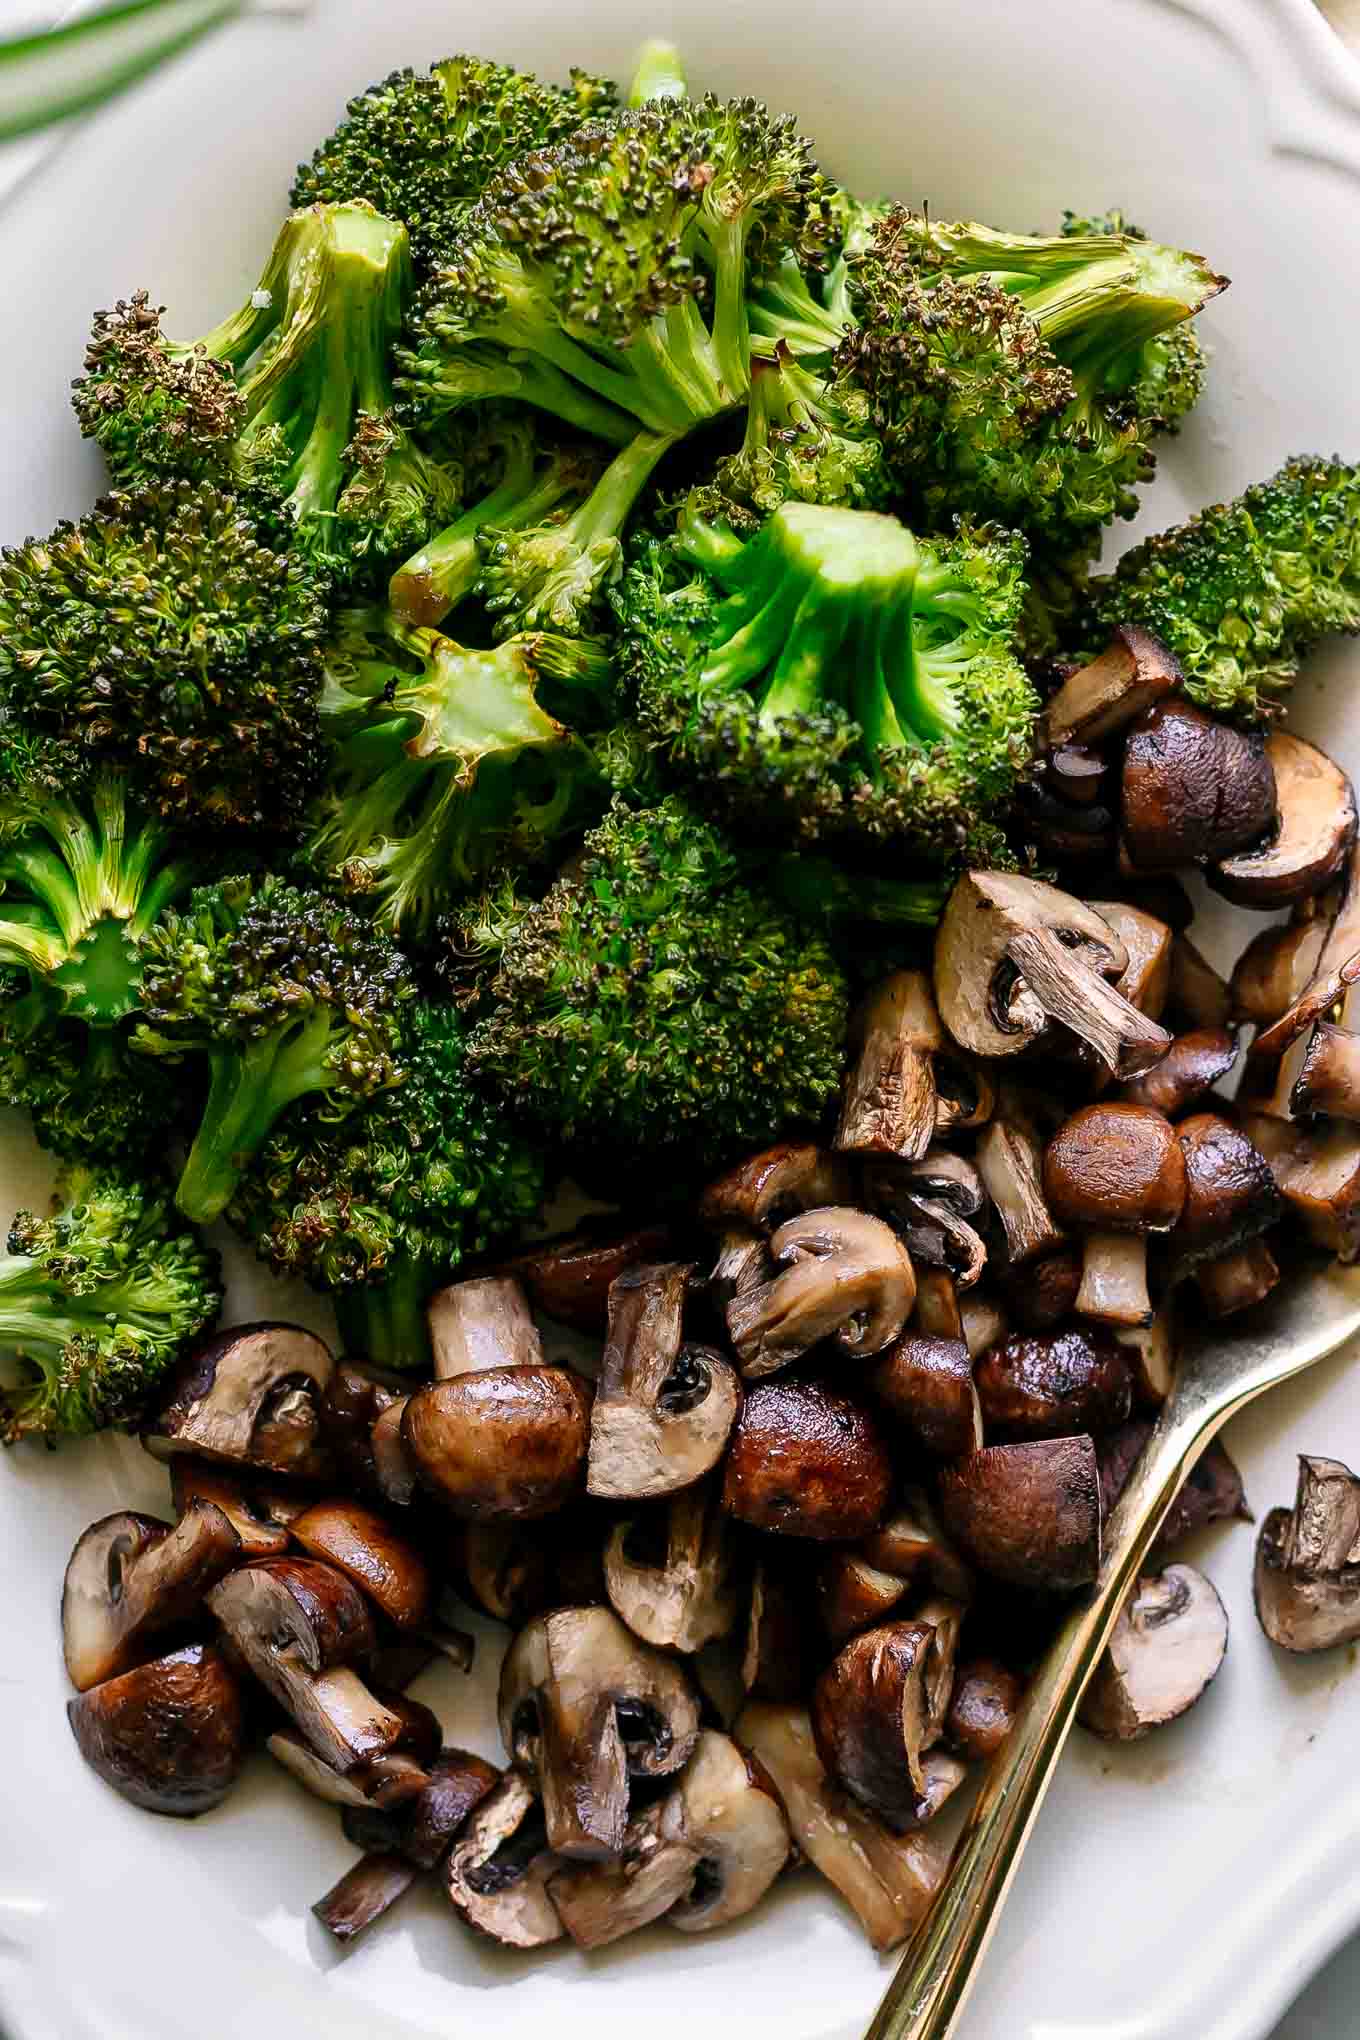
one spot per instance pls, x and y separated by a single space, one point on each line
811 313
423 147
806 441
653 999
447 762
1243 590
379 1208
290 398
285 992
1164 378
163 635
835 675
96 1302
90 1098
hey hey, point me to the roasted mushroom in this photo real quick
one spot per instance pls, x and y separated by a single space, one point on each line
842 1275
935 1204
259 1532
1196 996
504 1442
1210 1493
131 1577
1165 1651
1307 1580
169 1735
663 1408
1028 1514
674 1578
1231 1198
1313 835
778 1662
1053 1385
365 1892
723 1810
379 1785
1193 1064
482 1322
1010 1163
568 1277
911 1543
927 1384
1042 1293
889 1103
1193 789
422 1827
600 1902
376 1557
1328 1081
1150 1350
497 1873
356 1396
503 1569
1112 690
879 1706
393 1467
249 1396
1117 1172
982 1709
983 1320
807 1461
1276 968
1317 1171
853 1595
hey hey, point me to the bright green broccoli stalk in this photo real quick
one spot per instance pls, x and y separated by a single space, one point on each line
811 314
1243 590
379 1208
423 147
835 676
298 386
286 993
96 1303
653 1000
164 636
806 442
1163 378
447 763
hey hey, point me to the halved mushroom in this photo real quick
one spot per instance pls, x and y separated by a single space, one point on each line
1111 690
1028 1514
1313 836
1146 978
889 1103
724 1812
1117 1172
249 1395
355 1398
259 1533
584 1704
169 1735
421 1829
497 1874
502 1569
761 1192
982 1709
869 1714
1329 1079
1054 1385
1196 994
131 1576
1193 789
1317 1170
663 1409
675 1582
568 1277
1009 1159
984 1322
927 1383
931 1203
1013 955
777 1662
1231 1199
1307 1578
1211 1492
376 1557
1165 1651
1193 1064
380 1785
889 1880
479 1323
1278 965
1042 1293
505 1442
601 1902
807 1461
365 1892
853 1595
841 1274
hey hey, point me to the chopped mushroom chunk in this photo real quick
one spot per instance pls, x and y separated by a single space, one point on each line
1193 1064
365 1892
1231 1198
927 1384
249 1395
663 1408
601 1902
935 1204
1010 1163
1028 1514
568 1277
170 1735
842 1275
497 1873
889 1106
130 1577
502 1442
686 1593
1193 789
1111 690
1165 1651
1053 1385
869 1716
1314 831
1307 1580
726 1812
807 1461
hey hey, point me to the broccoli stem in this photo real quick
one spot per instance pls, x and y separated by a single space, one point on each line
819 890
384 1322
607 508
427 586
731 320
250 1084
659 75
783 308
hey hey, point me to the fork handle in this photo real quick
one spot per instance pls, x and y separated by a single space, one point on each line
926 1997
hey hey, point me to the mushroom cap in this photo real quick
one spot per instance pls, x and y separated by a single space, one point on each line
1193 1064
369 1551
311 1613
1230 1193
776 1184
842 1275
131 1576
1315 831
1115 1168
1307 1575
1164 1652
726 1813
807 1461
497 1872
505 1442
221 1396
986 1008
260 1533
169 1735
1053 1385
1193 789
482 1322
927 1384
568 1277
1028 1514
663 1408
870 1719
982 1709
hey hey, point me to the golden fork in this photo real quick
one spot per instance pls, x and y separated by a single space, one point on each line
1311 1313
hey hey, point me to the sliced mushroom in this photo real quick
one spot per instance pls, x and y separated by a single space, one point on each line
584 1704
1329 1080
1193 1064
889 1104
421 1829
1112 690
1210 1493
853 1595
1044 1292
984 1322
356 1396
169 1735
249 1396
982 1709
1117 1172
927 1384
1146 978
687 1592
1314 833
1165 1651
497 1874
1054 1385
931 1203
889 1880
1196 995
1028 1514
601 1902
380 1785
365 1892
1307 1579
777 1663
841 1275
1231 1199
1193 789
479 1323
393 1467
1274 970
807 1461
1013 955
568 1277
376 1557
505 1442
260 1534
1010 1163
911 1543
1317 1171
761 1192
724 1812
869 1719
130 1577
663 1409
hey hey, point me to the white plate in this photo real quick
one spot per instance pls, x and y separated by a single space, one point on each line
1180 1891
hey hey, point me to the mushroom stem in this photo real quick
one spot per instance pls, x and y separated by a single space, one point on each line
364 1894
485 1322
890 1101
1125 1040
1010 1163
1114 1289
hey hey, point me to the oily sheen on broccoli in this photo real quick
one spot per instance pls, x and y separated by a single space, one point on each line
96 1302
653 1000
380 1207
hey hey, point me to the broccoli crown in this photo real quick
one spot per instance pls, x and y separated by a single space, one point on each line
1163 378
161 634
806 442
424 1177
811 312
652 999
1242 590
422 147
89 1096
286 992
96 1302
835 674
447 763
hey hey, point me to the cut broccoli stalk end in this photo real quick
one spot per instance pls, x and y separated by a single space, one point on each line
384 1322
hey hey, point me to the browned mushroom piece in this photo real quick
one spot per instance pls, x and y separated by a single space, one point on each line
1313 836
927 1384
1328 1081
889 1881
497 1873
984 1322
1065 804
853 1595
600 1902
421 1829
911 1543
674 1576
363 1895
1193 789
170 1735
663 1408
725 1811
1275 968
376 1557
1231 1199
934 1204
568 1276
807 1461
1013 955
1307 1577
480 1323
1146 978
506 1442
869 1719
584 1704
937 1314
779 1182
1112 690
131 1577
1009 1160
965 1092
1053 1385
1042 1293
841 1275
503 1569
249 1395
1117 1172
1193 1064
382 1785
1164 1653
945 1617
355 1397
1196 995
1028 1514
982 1709
778 1660
1077 772
393 1467
889 1103
1317 1171
1211 1492
1151 1352
261 1534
